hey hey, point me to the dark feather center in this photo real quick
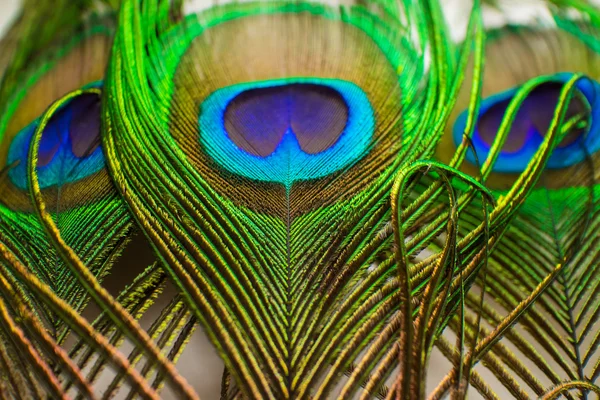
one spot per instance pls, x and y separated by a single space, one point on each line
257 119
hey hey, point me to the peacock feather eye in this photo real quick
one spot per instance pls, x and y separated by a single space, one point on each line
287 130
69 152
69 145
532 122
307 110
544 58
315 114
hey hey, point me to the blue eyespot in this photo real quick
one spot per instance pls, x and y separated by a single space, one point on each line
69 147
287 130
531 125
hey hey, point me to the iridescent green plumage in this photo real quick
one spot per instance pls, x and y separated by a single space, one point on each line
314 186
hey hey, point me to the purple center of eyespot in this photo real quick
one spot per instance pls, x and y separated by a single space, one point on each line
78 123
533 118
84 131
257 119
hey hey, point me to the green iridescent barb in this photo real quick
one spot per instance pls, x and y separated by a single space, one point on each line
342 199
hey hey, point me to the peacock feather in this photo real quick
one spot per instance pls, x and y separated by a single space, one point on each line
342 199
